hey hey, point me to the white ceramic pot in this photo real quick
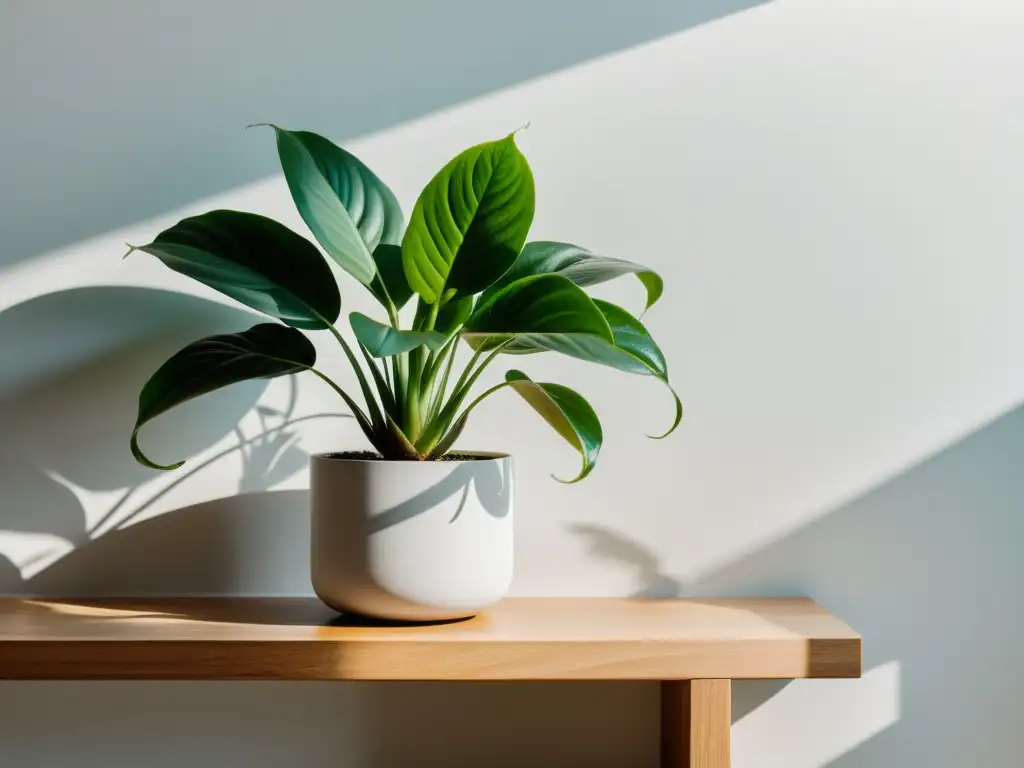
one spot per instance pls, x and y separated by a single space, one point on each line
412 540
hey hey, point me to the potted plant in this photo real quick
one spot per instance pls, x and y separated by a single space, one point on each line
384 542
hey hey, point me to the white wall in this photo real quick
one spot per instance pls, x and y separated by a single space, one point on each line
831 189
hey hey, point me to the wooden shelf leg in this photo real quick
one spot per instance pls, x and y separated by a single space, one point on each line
696 716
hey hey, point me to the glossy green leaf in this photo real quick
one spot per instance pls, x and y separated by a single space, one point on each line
579 265
638 353
382 340
262 352
254 260
347 208
543 310
390 282
567 412
453 314
470 222
632 350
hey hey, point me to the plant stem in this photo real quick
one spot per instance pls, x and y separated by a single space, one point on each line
466 371
371 403
413 419
438 396
360 417
461 393
413 399
389 303
387 397
432 317
438 425
432 367
443 435
480 397
399 366
411 402
392 310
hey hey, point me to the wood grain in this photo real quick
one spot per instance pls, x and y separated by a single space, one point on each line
696 717
519 639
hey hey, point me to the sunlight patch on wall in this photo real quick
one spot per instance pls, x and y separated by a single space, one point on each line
32 553
809 724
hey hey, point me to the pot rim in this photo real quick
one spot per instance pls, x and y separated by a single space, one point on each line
333 457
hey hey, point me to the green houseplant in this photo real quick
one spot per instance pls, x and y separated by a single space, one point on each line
463 256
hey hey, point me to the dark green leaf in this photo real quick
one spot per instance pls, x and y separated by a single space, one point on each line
382 340
390 282
547 311
638 352
633 350
579 265
347 208
567 412
453 314
470 222
253 260
262 352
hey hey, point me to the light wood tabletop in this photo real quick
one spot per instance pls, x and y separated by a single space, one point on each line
519 639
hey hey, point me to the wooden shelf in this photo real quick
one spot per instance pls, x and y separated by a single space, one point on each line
695 647
519 639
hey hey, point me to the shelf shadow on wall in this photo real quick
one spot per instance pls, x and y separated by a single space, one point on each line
926 567
164 130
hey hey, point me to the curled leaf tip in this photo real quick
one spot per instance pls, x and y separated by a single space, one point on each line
675 422
588 467
260 125
583 473
153 465
145 460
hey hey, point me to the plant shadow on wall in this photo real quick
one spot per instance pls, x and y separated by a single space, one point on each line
71 364
926 567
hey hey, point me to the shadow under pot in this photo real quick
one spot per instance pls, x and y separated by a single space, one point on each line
412 540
